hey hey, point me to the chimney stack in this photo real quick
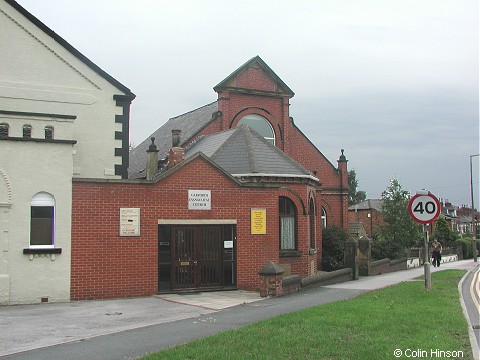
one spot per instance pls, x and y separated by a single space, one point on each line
176 154
152 160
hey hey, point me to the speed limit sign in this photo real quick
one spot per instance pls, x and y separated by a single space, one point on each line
424 208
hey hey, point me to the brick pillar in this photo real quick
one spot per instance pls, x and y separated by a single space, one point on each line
176 154
271 278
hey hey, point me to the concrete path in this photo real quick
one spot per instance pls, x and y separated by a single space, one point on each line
27 327
215 300
126 329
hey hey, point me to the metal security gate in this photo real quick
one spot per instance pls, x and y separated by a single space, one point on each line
210 259
184 262
197 257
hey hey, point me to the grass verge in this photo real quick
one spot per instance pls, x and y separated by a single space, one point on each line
372 326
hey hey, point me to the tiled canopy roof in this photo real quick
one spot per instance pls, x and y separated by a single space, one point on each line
243 152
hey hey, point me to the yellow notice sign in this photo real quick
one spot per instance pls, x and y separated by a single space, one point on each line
258 221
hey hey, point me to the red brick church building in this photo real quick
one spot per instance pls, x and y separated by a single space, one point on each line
212 196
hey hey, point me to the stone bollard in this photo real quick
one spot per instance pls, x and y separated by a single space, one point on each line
364 256
271 277
350 257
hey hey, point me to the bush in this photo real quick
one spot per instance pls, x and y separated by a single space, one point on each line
383 249
467 243
333 247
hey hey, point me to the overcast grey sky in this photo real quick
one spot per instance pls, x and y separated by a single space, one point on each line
393 82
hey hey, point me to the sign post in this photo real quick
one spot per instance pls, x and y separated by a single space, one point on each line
424 208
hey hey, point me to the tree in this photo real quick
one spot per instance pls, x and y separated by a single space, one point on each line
354 196
399 231
442 231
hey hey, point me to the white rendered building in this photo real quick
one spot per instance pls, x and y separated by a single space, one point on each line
61 117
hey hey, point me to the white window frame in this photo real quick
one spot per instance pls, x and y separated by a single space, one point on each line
287 225
324 218
43 199
257 117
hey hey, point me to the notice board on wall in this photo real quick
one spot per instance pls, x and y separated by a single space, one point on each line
129 222
258 221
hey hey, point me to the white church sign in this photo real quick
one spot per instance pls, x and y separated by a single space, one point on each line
199 199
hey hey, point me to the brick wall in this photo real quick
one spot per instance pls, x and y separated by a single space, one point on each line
255 78
236 103
106 265
370 218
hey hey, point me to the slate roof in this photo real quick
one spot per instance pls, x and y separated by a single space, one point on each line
190 123
375 204
244 152
463 219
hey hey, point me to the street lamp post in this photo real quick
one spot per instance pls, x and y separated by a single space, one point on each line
474 223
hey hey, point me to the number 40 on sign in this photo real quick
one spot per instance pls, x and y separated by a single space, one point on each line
424 208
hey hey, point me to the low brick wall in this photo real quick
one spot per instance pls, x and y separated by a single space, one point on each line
386 265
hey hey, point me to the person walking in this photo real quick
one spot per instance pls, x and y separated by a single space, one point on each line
436 252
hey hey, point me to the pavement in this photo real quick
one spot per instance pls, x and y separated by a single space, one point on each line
129 328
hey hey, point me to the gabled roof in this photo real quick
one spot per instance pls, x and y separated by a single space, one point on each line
357 230
190 123
368 204
226 84
242 152
62 42
168 172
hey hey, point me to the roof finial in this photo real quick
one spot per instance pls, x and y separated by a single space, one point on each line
152 147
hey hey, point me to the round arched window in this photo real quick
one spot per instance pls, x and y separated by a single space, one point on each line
260 125
42 221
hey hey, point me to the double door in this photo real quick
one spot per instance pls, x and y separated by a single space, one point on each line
197 257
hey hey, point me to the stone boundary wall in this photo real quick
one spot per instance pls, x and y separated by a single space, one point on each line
386 265
295 283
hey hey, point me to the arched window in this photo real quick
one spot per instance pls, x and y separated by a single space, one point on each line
288 223
324 218
260 125
4 129
49 132
42 220
27 131
311 218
